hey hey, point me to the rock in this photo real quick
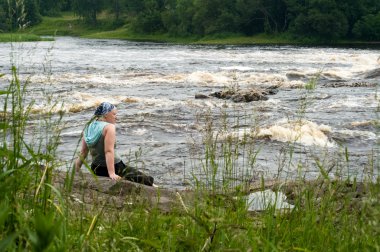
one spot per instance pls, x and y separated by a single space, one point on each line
375 73
91 190
349 84
247 95
201 96
262 200
295 76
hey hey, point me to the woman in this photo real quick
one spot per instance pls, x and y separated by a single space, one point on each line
99 138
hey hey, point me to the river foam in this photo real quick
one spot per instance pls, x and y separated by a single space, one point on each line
301 131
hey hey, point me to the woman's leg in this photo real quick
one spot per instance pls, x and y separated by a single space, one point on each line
99 170
133 174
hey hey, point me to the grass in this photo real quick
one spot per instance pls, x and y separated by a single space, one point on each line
20 37
328 215
66 25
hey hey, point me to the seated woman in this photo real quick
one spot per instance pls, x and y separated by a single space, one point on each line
99 138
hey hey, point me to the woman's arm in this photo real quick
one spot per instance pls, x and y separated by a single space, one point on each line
109 150
82 156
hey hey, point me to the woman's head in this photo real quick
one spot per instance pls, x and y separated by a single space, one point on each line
106 110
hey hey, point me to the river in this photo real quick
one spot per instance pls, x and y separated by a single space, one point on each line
161 126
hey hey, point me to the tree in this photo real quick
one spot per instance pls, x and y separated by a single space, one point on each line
33 16
317 18
148 19
250 19
17 14
50 7
117 7
368 27
214 16
3 17
88 9
274 14
66 5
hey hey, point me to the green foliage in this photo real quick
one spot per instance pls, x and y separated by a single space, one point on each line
46 228
51 7
20 37
368 27
315 20
31 209
322 19
18 14
88 9
33 16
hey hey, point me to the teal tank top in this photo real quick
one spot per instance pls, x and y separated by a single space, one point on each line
97 147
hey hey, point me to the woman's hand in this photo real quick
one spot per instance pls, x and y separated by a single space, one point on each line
114 176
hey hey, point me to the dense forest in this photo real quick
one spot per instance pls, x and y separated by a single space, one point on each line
319 19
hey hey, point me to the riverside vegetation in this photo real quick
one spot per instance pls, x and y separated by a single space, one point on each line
214 21
328 214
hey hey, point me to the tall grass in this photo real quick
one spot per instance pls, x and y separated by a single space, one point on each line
32 213
329 215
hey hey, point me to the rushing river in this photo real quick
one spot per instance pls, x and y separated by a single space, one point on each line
162 125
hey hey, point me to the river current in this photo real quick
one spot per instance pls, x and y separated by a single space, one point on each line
162 128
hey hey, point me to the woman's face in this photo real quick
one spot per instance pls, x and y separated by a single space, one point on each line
111 116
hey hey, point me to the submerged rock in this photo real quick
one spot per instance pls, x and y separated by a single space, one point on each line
201 96
247 95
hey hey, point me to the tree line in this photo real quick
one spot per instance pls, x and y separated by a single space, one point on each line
320 19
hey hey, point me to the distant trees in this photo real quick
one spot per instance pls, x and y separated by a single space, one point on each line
317 18
88 9
50 7
16 14
368 27
320 19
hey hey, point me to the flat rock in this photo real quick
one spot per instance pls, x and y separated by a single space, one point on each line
93 190
88 190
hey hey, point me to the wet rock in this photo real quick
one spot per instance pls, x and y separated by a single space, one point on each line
201 96
90 190
295 76
247 95
372 74
349 84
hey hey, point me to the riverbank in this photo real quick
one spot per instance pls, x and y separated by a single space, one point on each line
70 25
325 213
21 37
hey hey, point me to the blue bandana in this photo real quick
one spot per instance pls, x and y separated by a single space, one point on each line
104 108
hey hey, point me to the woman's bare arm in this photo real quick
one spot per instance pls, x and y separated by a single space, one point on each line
82 156
109 149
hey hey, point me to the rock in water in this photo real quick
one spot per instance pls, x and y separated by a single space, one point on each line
247 95
375 73
201 96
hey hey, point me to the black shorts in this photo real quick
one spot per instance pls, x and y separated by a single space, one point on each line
124 171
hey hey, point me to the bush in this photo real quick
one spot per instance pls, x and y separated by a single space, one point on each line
368 27
323 25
